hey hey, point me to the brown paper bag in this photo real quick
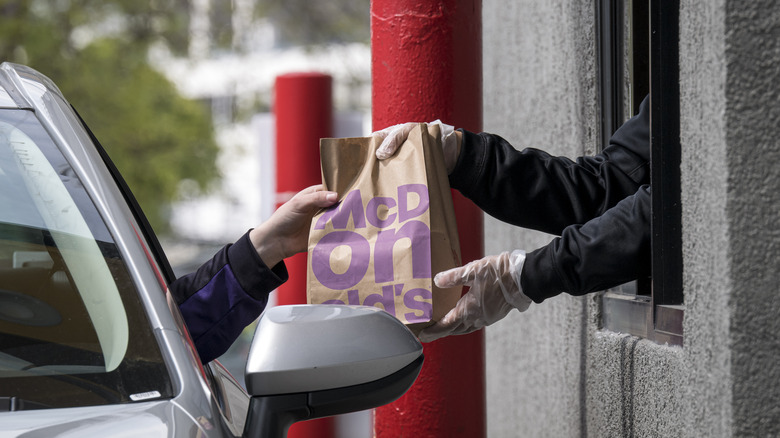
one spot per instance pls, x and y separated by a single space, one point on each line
391 232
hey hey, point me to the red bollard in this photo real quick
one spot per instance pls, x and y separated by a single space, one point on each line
427 65
304 113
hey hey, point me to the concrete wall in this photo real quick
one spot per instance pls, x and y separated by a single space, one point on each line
552 371
752 211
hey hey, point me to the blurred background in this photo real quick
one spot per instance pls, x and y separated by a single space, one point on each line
176 89
180 94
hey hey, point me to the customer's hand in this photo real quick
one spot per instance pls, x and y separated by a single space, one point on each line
286 232
394 136
495 291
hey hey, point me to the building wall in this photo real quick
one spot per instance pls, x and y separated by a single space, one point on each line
551 371
752 210
539 91
707 281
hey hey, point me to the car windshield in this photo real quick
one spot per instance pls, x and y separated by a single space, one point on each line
73 331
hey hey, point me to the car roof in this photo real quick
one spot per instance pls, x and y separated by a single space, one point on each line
21 85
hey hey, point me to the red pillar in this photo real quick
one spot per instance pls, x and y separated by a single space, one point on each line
303 109
427 65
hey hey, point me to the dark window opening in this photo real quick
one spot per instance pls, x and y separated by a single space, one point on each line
649 308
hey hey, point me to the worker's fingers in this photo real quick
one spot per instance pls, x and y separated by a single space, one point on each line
451 278
393 137
460 320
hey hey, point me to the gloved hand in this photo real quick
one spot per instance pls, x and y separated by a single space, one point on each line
394 136
495 291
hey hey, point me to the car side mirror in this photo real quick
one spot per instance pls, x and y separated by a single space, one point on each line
313 361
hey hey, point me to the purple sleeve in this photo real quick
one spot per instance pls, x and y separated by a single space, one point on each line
224 295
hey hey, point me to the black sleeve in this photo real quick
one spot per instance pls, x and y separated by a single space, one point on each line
598 205
535 190
606 251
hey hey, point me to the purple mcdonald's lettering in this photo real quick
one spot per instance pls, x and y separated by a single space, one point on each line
351 205
404 213
386 299
426 307
372 211
358 263
420 236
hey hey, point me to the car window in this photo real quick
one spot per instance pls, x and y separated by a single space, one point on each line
72 329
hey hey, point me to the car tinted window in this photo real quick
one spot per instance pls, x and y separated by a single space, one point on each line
72 329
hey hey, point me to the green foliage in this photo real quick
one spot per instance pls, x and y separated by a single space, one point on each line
155 137
96 52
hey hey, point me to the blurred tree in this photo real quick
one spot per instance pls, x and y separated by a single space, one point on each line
96 52
156 137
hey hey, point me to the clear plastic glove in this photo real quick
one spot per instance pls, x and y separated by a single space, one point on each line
495 291
394 136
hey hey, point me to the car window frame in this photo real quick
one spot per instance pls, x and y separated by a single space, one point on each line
147 232
53 152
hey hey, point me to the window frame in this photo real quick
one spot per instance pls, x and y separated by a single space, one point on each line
609 28
657 316
65 360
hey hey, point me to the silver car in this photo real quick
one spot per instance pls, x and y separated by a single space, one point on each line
92 345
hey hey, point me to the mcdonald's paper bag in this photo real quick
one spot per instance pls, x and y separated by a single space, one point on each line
392 230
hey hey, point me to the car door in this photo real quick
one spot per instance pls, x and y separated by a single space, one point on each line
230 397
